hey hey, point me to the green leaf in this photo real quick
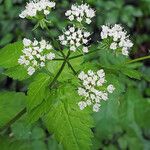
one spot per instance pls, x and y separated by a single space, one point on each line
70 125
131 73
38 112
38 90
17 73
6 39
7 143
128 119
107 118
10 54
11 104
53 145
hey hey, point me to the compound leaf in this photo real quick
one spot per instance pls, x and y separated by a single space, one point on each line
37 90
70 125
10 54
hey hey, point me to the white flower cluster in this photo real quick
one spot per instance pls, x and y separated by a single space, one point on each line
92 89
80 13
119 37
75 39
35 54
37 6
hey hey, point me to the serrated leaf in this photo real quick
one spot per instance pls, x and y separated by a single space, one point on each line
38 112
107 118
70 125
17 73
10 54
38 90
131 73
11 104
128 120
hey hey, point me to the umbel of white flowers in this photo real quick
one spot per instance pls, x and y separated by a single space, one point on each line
80 13
35 54
93 90
36 7
75 38
119 37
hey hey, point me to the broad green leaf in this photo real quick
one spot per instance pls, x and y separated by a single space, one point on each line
38 112
38 90
10 54
54 66
11 104
33 136
53 144
107 57
21 131
107 119
131 73
70 125
7 143
128 120
17 73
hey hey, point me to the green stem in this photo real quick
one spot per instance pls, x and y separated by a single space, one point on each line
60 70
22 112
83 54
138 59
73 70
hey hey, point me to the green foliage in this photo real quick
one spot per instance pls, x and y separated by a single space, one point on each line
7 144
38 90
52 100
70 125
122 118
11 104
10 54
17 73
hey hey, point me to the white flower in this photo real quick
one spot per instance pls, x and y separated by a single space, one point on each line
31 70
26 42
32 8
49 46
104 96
50 56
42 64
88 102
72 29
82 105
35 54
61 38
88 21
86 34
74 39
113 46
90 89
85 50
125 52
82 75
110 88
101 73
119 37
96 107
79 19
22 60
46 12
71 18
68 13
73 48
80 13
